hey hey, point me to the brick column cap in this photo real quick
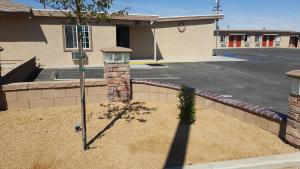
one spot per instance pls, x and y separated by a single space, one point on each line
116 50
294 74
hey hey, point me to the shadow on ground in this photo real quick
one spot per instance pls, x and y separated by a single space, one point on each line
178 148
131 111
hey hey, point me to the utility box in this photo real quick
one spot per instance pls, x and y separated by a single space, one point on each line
117 73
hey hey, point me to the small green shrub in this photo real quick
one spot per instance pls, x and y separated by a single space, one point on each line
186 104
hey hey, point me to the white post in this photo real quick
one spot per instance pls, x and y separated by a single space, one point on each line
154 41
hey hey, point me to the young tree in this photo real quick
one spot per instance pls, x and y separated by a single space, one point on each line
44 3
81 12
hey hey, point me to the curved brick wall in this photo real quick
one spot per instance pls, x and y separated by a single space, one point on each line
62 93
261 111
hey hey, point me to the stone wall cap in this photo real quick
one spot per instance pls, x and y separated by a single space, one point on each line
116 50
52 85
294 74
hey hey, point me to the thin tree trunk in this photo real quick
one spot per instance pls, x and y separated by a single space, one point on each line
82 77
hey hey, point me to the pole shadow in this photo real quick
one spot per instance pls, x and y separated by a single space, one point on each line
177 152
108 126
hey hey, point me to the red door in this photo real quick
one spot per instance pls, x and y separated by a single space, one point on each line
231 38
271 39
238 41
264 42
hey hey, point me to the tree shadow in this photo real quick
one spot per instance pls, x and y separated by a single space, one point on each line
130 111
177 152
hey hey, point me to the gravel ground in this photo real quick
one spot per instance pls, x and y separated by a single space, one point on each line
146 136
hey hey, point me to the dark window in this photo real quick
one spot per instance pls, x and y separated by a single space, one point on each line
223 39
123 36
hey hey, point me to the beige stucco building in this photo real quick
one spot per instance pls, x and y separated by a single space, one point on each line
48 35
257 39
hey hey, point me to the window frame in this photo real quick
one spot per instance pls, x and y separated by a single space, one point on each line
259 39
277 36
225 39
90 49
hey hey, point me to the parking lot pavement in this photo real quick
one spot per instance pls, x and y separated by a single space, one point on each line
261 80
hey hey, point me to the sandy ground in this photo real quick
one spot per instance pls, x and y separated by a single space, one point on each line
147 137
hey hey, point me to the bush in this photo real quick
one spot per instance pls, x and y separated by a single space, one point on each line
186 105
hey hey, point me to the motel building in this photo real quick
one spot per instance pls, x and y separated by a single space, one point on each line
258 39
48 35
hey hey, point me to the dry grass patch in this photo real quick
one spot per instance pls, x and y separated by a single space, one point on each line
141 137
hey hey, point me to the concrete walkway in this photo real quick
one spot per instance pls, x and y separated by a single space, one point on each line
285 161
144 62
190 60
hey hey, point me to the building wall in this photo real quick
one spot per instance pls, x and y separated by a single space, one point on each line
195 41
284 43
23 38
141 42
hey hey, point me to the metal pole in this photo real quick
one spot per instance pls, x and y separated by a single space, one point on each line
82 76
82 88
217 10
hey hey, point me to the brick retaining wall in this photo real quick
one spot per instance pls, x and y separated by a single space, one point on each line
274 122
50 94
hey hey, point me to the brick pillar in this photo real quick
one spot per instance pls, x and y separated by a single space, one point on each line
118 81
292 134
117 73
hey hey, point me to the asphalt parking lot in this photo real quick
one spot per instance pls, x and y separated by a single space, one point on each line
260 80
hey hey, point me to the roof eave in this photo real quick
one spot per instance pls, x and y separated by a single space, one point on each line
60 14
189 18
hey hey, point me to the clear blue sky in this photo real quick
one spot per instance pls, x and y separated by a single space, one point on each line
239 14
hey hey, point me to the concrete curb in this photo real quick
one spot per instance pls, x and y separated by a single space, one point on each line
270 162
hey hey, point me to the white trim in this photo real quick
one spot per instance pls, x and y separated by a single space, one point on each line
278 36
270 34
184 16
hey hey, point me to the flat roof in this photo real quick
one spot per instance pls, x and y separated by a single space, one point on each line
57 13
194 17
6 6
257 31
137 17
